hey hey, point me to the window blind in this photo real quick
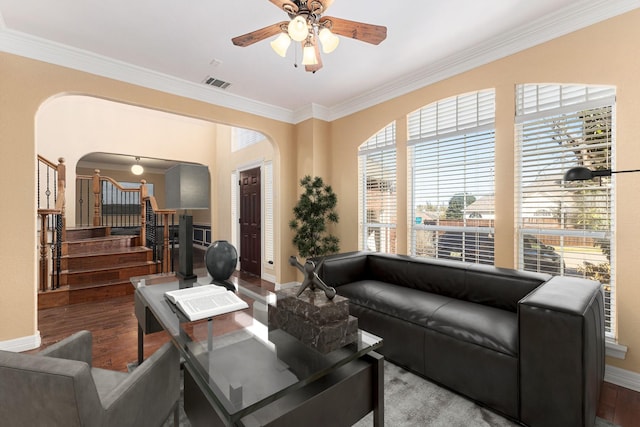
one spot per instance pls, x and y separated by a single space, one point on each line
566 228
451 178
242 138
268 213
235 203
377 191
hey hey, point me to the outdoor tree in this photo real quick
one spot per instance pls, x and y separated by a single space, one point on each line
457 204
313 212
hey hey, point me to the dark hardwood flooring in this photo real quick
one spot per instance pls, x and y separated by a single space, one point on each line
114 328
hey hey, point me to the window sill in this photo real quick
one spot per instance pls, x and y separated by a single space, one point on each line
615 350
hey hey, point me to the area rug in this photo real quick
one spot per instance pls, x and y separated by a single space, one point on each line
412 401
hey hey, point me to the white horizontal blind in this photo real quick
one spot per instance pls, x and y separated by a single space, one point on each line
242 138
268 213
235 202
377 191
566 227
451 178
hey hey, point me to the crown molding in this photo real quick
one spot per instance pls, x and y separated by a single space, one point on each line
564 21
571 18
58 54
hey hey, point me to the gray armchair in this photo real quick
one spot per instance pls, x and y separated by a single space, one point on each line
58 387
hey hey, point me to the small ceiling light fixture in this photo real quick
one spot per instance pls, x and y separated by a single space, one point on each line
281 44
580 173
328 39
137 169
307 26
309 55
298 29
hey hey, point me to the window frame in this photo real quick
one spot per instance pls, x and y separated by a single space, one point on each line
442 122
569 103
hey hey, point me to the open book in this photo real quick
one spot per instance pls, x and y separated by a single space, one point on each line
200 302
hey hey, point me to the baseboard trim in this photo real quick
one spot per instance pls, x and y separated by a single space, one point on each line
287 285
622 377
22 343
268 277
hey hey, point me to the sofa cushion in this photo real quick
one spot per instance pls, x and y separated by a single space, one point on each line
429 275
478 324
408 304
500 287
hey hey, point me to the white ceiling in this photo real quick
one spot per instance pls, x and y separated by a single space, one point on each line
174 45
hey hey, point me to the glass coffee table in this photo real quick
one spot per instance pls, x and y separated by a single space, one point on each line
238 372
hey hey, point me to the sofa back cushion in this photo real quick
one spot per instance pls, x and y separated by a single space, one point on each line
482 284
500 287
435 276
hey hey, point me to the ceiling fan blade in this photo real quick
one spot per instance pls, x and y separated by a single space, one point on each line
286 5
369 33
315 67
325 4
319 6
258 35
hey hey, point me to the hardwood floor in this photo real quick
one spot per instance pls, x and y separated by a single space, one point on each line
114 328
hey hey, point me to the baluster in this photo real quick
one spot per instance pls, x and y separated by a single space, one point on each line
44 262
165 244
61 196
97 199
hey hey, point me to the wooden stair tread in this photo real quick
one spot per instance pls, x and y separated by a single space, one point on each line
100 284
114 267
109 251
103 238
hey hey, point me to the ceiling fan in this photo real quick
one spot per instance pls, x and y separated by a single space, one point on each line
307 26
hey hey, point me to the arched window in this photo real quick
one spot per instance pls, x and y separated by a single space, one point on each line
377 192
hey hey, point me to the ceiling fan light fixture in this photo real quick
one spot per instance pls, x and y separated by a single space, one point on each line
137 169
309 55
298 29
328 39
281 44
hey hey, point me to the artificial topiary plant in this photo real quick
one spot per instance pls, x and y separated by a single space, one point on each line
315 209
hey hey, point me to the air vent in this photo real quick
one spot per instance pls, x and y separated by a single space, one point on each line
212 81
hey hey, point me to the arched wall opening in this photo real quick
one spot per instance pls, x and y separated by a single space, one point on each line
73 126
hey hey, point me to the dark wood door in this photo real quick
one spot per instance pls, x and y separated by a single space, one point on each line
250 214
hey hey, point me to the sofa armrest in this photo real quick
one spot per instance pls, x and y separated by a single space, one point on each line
154 386
561 328
344 268
75 347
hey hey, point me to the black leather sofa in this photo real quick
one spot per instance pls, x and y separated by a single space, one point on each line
527 345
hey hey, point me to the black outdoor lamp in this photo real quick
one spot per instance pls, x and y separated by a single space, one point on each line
580 173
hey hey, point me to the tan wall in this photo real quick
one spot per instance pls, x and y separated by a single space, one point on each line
600 54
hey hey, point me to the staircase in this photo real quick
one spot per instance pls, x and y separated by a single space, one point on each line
96 265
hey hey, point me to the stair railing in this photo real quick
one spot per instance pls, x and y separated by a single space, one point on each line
51 183
103 201
155 220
